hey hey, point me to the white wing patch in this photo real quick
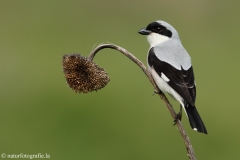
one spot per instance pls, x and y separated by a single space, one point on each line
165 78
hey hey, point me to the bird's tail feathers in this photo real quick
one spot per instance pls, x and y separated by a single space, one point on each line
195 119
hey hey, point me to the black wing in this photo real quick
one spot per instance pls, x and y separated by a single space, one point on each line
182 81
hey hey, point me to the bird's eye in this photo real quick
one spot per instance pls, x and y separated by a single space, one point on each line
159 29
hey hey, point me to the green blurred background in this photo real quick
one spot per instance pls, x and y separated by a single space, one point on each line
40 114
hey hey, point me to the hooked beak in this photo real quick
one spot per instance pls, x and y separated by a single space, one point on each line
144 31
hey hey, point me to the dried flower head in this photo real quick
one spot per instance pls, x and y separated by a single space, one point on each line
83 75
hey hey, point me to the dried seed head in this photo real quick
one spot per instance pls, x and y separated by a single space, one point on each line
83 75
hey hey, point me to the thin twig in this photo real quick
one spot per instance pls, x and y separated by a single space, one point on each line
183 133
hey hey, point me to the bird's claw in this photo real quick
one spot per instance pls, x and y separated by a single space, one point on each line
155 92
178 117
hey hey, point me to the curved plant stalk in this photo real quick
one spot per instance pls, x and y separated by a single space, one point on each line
183 133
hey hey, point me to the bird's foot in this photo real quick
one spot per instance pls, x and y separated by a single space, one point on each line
178 117
155 92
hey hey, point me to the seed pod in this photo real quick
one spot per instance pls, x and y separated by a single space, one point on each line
83 75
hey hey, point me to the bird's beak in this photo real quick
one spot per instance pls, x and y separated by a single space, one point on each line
144 31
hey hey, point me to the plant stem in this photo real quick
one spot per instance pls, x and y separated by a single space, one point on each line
183 133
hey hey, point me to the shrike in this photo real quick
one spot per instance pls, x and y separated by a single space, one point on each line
170 66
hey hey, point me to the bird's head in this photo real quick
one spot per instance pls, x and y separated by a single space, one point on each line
158 32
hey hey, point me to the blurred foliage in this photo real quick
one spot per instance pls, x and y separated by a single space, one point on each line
40 114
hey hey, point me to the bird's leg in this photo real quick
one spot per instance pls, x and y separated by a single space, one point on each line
178 116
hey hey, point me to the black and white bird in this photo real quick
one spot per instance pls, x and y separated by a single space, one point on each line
171 68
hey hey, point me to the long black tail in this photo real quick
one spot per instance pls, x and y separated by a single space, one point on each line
195 119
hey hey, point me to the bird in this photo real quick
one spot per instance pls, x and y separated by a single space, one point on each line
170 66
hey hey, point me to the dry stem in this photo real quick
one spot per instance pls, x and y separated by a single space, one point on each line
183 133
